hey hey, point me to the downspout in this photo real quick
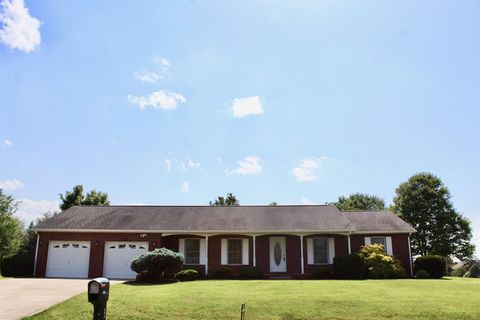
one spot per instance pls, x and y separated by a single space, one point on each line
36 254
410 254
206 254
349 243
254 252
301 253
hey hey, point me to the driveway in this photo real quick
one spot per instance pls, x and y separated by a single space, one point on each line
25 297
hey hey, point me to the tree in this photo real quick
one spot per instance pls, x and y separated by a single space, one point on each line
424 202
360 201
230 200
77 198
273 203
11 229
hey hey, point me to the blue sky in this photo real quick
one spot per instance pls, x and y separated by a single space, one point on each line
176 102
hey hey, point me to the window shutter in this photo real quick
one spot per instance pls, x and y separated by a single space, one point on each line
224 249
202 251
245 251
310 250
388 245
331 250
367 241
181 246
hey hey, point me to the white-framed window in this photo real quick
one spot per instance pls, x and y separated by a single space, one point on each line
378 240
192 251
386 241
320 250
234 251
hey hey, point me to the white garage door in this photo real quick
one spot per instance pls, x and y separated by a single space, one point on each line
119 256
68 259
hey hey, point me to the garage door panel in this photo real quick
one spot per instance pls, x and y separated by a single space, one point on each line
118 257
68 259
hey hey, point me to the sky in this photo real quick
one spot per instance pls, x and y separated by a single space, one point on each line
297 102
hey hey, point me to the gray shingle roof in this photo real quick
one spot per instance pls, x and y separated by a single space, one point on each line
382 220
211 219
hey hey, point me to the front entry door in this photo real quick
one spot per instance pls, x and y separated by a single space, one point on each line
278 254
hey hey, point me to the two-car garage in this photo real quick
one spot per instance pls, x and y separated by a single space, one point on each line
71 259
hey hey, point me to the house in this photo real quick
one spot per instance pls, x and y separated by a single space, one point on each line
92 241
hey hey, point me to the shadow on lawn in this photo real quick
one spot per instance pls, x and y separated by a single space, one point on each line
144 284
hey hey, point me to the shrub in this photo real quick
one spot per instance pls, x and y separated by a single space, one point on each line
474 271
459 272
380 265
223 273
187 275
433 264
251 273
422 274
158 264
18 265
349 266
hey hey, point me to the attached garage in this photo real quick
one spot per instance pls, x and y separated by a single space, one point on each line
68 259
118 257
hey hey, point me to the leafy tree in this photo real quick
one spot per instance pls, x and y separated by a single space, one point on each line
11 229
230 200
424 202
273 203
77 198
360 201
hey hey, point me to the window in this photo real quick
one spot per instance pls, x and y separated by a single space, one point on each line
192 251
234 251
320 250
378 240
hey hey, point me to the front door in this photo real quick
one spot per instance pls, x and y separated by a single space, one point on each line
278 254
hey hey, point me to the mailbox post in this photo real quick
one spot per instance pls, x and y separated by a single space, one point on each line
98 292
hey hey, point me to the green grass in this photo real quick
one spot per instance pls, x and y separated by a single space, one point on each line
453 298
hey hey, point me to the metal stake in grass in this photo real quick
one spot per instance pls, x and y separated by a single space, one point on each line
242 311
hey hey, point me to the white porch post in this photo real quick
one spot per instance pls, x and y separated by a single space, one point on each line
410 255
349 244
302 260
254 252
36 254
206 254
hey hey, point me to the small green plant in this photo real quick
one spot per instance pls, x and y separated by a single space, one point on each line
349 266
380 265
459 272
422 274
187 275
435 265
251 273
223 273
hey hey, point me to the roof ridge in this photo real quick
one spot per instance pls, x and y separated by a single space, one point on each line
205 205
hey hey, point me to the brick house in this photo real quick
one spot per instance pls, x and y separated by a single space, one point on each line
293 241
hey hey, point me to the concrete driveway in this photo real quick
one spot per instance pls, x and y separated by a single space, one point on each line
24 297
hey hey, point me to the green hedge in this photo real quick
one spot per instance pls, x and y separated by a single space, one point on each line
422 274
435 265
349 266
187 275
18 265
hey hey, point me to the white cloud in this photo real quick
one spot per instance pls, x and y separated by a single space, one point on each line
31 210
162 62
185 187
249 165
7 143
11 184
307 170
158 100
147 76
168 164
193 165
305 201
247 106
18 30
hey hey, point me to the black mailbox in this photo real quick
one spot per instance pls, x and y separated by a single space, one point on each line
98 292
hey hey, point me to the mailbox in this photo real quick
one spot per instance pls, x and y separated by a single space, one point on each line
98 292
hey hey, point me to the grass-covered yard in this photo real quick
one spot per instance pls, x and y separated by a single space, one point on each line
455 298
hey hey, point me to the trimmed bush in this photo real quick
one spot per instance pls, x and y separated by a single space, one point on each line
223 273
187 275
435 265
474 271
349 266
251 273
158 264
380 265
459 272
422 274
18 265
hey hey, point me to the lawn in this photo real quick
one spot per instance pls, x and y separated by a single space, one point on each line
454 298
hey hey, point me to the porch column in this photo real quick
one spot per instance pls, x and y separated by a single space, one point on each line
410 255
302 260
206 254
349 244
254 252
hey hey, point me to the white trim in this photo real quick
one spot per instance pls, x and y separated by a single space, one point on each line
224 250
410 254
245 251
367 241
349 245
209 232
181 246
206 255
36 255
331 249
202 252
254 252
302 260
310 250
389 246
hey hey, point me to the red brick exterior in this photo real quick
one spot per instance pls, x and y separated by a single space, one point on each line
293 252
